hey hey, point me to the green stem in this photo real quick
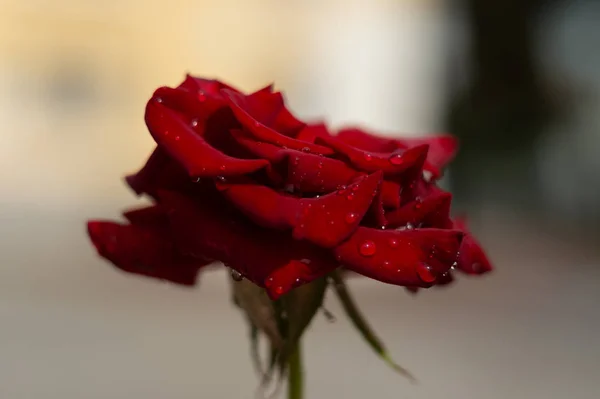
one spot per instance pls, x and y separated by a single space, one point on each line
295 374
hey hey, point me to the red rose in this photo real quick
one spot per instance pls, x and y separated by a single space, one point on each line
237 178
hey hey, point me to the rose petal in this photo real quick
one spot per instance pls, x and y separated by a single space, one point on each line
408 257
390 163
331 218
207 225
316 174
159 172
198 157
433 211
442 149
366 141
311 132
306 172
263 205
296 273
325 221
143 250
242 110
268 108
207 87
472 258
390 194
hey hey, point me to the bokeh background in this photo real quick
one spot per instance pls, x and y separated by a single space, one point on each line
517 80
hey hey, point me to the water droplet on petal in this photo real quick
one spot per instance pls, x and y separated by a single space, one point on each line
368 157
197 180
386 264
236 276
269 282
425 273
289 188
350 197
166 133
320 165
222 167
305 149
418 203
355 187
279 290
159 100
201 96
367 248
194 122
351 217
393 243
396 159
409 226
341 190
177 138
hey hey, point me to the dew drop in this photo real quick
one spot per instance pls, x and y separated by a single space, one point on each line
201 96
177 138
197 180
236 276
386 264
351 217
289 188
222 167
368 157
425 273
194 122
159 100
367 248
341 190
393 243
305 149
320 165
409 226
350 197
396 159
418 203
355 187
269 282
279 290
166 133
296 160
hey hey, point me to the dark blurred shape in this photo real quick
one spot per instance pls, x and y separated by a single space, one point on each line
73 84
507 104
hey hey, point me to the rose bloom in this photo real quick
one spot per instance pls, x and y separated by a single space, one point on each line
236 178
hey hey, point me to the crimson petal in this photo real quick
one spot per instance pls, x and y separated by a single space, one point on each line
331 218
261 132
442 148
143 250
159 172
366 141
390 163
325 221
472 258
206 225
407 257
433 211
198 157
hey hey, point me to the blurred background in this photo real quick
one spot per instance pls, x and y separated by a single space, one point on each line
517 80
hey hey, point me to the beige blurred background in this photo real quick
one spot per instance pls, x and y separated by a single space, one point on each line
74 78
